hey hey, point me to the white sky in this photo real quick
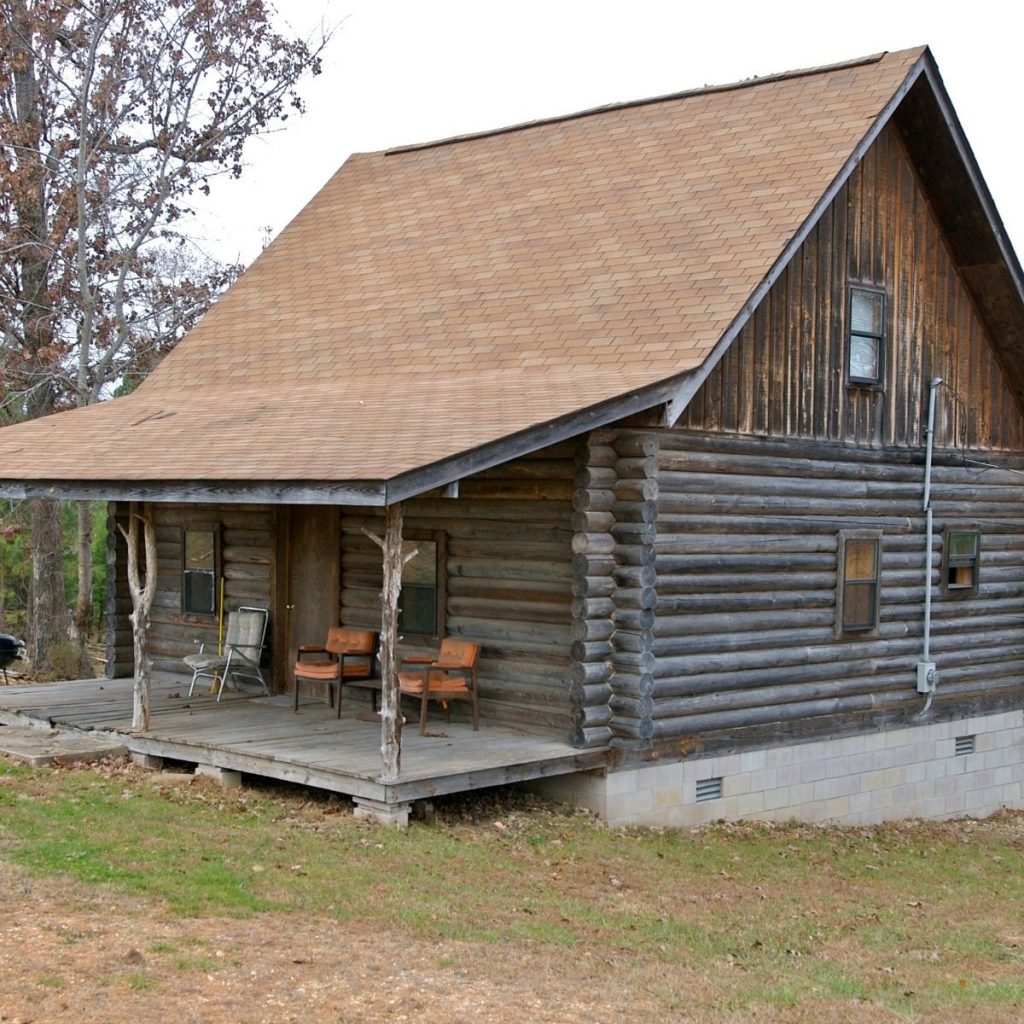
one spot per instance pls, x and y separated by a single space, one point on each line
400 71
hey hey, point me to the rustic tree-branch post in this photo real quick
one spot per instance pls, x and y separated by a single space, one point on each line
142 593
390 700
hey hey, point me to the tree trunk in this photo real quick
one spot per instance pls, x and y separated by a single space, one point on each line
83 604
48 617
141 565
48 624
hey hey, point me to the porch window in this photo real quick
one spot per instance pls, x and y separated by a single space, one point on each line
867 336
421 603
858 583
200 550
960 551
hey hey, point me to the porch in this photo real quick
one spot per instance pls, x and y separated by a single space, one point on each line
262 736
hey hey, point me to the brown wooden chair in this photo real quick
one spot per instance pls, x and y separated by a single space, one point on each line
449 676
347 656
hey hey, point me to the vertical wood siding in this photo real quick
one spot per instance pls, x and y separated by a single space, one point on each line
785 374
509 581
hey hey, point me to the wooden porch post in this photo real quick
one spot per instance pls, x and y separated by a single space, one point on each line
390 718
143 592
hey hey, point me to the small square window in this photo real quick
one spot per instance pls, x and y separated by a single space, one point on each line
960 551
858 582
867 336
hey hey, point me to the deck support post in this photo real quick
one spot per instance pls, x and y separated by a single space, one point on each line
142 574
222 776
390 698
151 762
394 814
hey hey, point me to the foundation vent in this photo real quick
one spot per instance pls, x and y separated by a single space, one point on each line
963 745
709 789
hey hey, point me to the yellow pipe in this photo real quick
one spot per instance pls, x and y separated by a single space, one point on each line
220 620
220 632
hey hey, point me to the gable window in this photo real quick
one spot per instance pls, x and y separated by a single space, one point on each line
866 345
200 555
421 603
960 551
858 582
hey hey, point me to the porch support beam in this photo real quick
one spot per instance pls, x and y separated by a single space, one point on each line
357 493
390 697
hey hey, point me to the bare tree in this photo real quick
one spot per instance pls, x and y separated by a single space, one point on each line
114 115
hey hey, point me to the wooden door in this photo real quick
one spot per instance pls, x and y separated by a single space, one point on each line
312 577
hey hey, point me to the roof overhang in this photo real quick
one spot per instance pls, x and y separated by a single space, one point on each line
355 492
946 164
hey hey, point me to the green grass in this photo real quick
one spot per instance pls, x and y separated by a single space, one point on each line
906 918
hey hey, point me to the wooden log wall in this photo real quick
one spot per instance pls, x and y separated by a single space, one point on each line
509 582
785 375
742 645
637 491
593 587
247 539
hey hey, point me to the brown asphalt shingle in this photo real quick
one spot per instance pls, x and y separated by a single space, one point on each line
435 299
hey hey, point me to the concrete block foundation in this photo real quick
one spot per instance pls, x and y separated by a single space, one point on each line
222 776
973 767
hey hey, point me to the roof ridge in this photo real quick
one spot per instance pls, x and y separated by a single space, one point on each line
605 108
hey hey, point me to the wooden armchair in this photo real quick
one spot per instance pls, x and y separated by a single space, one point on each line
346 656
449 676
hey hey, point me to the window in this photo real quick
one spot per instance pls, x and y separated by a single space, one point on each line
421 603
857 599
867 336
960 560
200 556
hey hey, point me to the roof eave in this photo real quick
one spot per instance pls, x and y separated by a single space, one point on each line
966 153
363 493
960 198
357 493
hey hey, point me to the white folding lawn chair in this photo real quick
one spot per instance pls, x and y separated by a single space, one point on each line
242 653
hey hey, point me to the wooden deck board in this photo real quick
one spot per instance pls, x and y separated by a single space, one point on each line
264 736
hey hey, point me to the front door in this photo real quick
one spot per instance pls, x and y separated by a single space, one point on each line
312 577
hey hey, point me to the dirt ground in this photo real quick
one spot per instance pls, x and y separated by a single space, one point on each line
65 956
76 954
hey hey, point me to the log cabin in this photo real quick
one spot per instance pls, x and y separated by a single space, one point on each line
703 414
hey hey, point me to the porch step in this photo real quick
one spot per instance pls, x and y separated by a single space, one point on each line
39 747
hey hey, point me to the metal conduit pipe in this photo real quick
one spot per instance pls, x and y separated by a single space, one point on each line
927 672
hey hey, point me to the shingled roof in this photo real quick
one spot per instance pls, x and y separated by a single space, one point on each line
438 308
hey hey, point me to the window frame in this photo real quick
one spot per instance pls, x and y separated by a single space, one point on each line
951 561
214 530
844 630
880 338
439 538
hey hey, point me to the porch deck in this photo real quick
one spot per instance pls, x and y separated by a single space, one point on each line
262 736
